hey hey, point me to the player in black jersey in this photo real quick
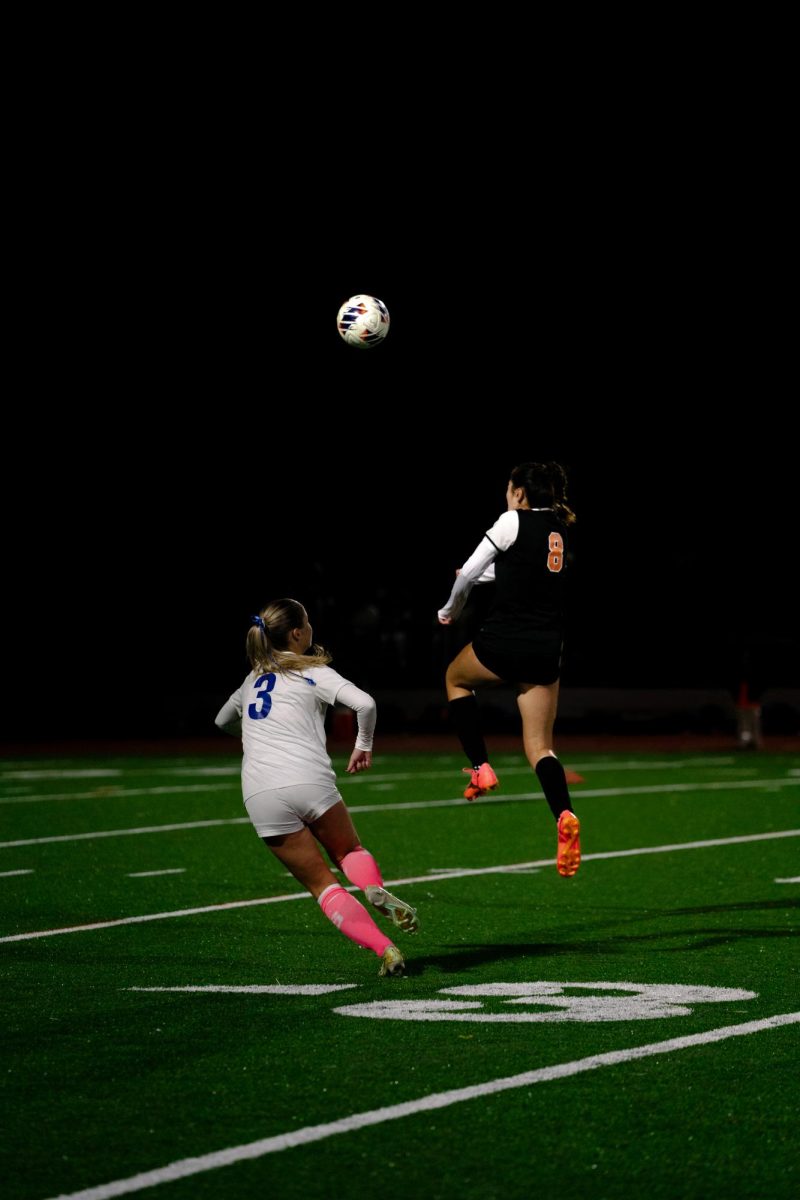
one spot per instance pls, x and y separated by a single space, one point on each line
520 641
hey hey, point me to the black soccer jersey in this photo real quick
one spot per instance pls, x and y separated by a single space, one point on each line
530 577
524 552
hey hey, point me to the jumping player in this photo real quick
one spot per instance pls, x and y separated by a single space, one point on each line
521 640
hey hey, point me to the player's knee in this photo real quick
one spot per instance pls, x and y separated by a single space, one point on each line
338 858
456 678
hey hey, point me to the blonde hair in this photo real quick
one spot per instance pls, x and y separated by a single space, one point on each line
267 640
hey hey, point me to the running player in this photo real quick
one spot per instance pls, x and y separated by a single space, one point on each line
288 781
521 640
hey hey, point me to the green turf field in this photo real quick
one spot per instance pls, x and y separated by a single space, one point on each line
631 1031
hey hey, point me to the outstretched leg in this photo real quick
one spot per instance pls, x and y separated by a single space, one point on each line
337 833
537 705
300 854
463 674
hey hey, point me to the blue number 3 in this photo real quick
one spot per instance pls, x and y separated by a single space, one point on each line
253 710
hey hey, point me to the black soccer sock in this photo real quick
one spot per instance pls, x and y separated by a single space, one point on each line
554 784
464 715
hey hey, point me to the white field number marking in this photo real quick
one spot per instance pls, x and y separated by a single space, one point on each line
547 1001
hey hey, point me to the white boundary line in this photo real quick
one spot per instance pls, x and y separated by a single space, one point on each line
185 1167
400 805
462 873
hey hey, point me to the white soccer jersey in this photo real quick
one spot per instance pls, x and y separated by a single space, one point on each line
283 727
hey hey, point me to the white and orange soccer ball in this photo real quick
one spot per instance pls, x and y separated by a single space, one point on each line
363 321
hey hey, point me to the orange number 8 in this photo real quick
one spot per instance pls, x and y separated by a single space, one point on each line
555 559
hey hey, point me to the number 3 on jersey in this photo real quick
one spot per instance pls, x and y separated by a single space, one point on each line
253 710
555 558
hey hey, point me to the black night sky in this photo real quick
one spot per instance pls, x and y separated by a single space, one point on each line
210 443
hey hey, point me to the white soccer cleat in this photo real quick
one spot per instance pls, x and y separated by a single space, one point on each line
401 914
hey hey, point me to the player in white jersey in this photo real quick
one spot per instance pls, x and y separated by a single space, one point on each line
520 641
288 781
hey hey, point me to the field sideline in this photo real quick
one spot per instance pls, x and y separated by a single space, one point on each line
179 1015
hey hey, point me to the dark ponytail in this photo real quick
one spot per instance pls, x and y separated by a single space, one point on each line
545 486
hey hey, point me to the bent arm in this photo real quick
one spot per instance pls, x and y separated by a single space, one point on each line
365 709
475 570
479 567
229 717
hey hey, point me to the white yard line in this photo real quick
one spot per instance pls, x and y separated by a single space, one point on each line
258 989
402 805
6 874
112 792
62 773
366 778
524 769
105 833
642 790
461 873
163 916
186 1167
794 879
166 871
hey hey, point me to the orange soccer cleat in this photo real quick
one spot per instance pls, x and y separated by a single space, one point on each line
568 858
482 780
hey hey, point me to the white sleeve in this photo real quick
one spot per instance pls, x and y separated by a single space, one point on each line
365 708
504 532
479 567
327 682
229 717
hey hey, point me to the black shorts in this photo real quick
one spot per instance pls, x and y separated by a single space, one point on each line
522 662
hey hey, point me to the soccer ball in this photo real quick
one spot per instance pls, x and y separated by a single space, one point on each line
363 321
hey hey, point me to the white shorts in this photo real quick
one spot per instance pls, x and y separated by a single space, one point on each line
289 809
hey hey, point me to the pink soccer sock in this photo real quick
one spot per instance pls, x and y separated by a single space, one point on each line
352 919
361 869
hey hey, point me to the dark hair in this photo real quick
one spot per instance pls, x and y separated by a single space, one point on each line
267 643
545 486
